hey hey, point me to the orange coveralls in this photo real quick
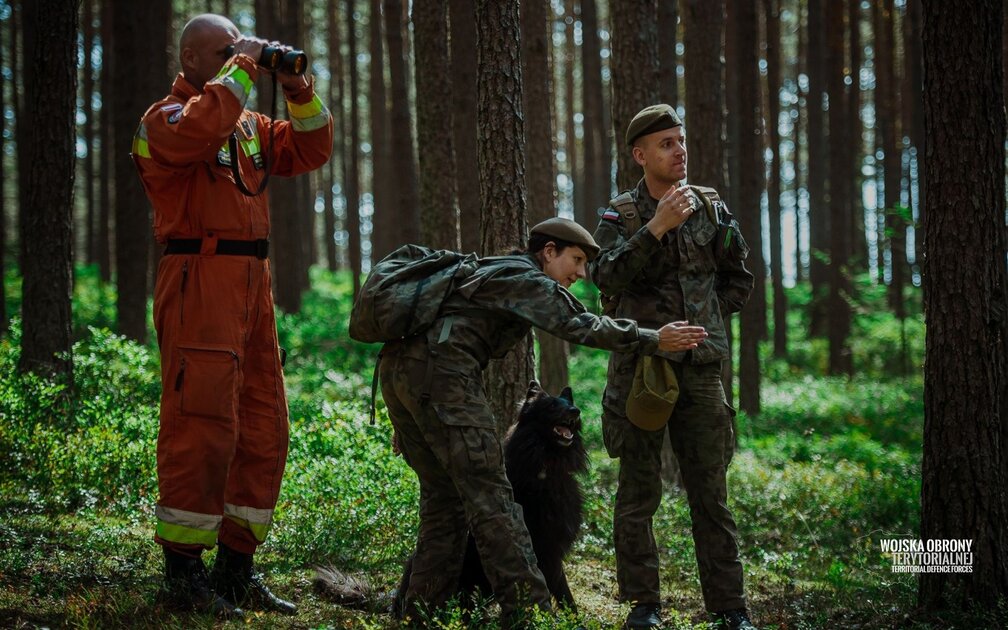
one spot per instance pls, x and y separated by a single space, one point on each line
222 444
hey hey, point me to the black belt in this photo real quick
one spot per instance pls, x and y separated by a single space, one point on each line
258 248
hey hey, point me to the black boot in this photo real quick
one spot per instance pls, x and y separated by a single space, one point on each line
235 580
643 616
186 588
737 619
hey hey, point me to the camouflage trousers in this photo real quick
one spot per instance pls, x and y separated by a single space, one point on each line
700 432
451 443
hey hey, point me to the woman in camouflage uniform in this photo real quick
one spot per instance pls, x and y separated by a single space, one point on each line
433 388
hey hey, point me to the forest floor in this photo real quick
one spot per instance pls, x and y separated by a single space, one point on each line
829 467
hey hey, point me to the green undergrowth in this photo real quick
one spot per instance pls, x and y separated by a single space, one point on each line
827 468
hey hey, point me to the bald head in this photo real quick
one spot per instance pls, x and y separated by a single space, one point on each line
202 46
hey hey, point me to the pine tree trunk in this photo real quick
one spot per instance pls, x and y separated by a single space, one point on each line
504 222
281 19
3 178
963 471
463 71
913 96
539 156
50 28
353 153
575 161
858 236
773 56
818 215
139 74
385 235
403 162
597 175
335 101
87 131
703 30
438 206
750 191
801 140
634 74
668 60
895 228
106 167
839 127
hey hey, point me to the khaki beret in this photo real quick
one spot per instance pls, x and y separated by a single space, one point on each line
653 394
651 119
567 230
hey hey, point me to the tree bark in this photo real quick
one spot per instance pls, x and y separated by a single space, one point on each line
597 165
401 136
703 32
818 169
801 140
49 113
773 57
963 471
353 170
634 74
106 166
839 130
504 222
335 99
539 155
139 50
668 60
913 97
463 71
439 227
575 161
385 235
3 176
281 19
750 185
87 131
892 161
855 153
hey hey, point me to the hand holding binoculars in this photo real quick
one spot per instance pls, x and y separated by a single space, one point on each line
280 59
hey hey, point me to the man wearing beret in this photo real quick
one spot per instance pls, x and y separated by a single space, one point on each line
671 252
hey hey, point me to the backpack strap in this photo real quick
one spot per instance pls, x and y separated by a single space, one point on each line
711 202
626 207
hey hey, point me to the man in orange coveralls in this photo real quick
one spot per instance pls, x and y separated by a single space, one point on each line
222 444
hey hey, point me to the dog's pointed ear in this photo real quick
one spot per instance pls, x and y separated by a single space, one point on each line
567 395
534 392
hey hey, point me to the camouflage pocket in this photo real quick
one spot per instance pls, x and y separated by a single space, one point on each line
475 450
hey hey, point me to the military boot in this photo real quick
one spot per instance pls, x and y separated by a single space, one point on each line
737 619
643 616
186 588
235 580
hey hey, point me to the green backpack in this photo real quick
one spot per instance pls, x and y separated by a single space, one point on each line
403 293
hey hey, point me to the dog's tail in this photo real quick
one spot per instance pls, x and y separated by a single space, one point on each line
350 591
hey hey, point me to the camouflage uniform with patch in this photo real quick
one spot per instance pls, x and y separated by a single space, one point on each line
433 389
683 276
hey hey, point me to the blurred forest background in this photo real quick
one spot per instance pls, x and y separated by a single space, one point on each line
860 143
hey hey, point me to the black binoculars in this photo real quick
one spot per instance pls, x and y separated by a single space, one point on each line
278 59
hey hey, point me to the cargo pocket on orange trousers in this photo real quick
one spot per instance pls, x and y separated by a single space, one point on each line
207 381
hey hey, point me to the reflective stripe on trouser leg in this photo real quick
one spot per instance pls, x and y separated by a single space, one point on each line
187 528
261 452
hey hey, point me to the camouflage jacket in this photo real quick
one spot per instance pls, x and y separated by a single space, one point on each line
496 306
675 278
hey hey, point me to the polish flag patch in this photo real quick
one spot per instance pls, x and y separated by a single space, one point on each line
610 215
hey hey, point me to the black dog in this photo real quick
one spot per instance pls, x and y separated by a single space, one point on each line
542 454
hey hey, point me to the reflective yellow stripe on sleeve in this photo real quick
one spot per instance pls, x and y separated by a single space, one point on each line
140 147
308 116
